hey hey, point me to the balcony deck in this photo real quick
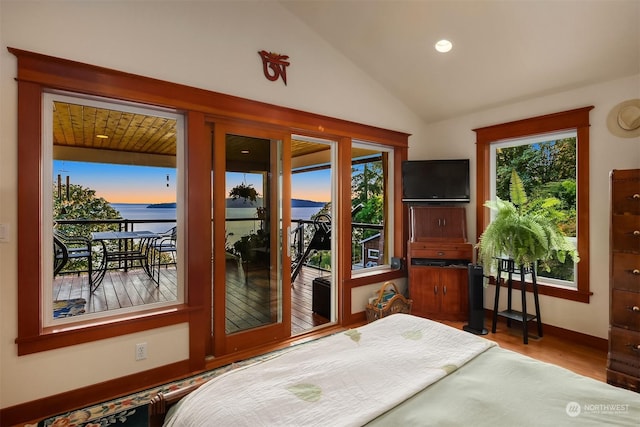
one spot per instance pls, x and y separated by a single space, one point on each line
132 288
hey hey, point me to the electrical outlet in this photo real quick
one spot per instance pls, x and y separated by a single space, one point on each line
141 351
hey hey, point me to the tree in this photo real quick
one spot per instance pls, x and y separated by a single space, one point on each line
367 180
372 212
537 165
548 172
367 186
82 204
367 190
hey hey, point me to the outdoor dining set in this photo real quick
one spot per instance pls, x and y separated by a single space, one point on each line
114 249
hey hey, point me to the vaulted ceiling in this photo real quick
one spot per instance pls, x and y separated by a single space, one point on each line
503 51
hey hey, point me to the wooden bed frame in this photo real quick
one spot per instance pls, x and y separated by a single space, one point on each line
160 404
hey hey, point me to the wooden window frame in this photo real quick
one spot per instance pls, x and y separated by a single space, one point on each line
578 120
389 213
37 73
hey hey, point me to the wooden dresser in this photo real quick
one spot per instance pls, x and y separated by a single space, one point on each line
623 363
438 255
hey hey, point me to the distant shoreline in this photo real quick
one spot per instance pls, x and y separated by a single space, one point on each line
295 203
163 205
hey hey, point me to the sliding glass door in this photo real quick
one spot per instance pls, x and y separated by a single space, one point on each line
251 268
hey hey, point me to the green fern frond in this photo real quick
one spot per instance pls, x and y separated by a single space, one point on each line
526 234
516 190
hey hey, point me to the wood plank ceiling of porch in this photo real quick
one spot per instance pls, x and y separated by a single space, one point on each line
79 130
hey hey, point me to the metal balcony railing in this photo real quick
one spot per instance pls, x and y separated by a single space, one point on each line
301 235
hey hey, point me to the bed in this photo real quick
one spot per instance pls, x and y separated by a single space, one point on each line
401 370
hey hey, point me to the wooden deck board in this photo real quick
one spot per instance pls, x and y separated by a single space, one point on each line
248 305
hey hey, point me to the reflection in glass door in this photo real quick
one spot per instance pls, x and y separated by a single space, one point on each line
253 261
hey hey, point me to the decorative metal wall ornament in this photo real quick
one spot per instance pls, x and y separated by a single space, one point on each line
274 65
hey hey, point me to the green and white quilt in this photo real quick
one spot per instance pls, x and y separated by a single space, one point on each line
346 379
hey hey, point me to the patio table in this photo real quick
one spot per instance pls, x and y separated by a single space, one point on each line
125 252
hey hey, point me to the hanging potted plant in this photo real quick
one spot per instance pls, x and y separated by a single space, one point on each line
523 232
245 192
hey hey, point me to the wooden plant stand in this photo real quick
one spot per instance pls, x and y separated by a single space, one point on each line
508 266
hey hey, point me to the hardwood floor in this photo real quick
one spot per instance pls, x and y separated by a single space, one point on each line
576 357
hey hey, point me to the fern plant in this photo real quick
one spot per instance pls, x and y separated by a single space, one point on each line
244 191
523 232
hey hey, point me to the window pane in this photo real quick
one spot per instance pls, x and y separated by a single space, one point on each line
547 168
113 179
370 200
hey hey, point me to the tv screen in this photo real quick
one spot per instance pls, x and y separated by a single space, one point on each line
435 181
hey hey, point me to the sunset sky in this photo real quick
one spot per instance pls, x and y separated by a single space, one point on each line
141 184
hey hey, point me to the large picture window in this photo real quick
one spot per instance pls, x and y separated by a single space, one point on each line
113 174
547 165
540 147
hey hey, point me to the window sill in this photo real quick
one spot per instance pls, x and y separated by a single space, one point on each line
93 330
552 291
366 277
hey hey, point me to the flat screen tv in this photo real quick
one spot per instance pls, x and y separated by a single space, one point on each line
435 181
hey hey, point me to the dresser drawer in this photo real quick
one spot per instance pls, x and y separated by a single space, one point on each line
625 309
625 268
624 351
625 234
442 253
625 197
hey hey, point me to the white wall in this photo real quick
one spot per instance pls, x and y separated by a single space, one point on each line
455 138
210 45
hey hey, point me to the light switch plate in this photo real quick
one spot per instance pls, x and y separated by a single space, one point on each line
4 233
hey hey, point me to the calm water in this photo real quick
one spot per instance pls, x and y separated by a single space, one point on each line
238 228
140 211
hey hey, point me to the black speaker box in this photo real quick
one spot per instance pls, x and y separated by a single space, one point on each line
476 301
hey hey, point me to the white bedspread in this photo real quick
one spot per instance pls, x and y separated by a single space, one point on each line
346 379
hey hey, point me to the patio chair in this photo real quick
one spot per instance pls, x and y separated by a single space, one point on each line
166 243
67 248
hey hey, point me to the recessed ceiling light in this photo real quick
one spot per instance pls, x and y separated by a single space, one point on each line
102 136
444 46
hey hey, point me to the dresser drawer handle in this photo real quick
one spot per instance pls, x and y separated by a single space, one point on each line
635 272
634 347
636 232
442 253
635 309
635 196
